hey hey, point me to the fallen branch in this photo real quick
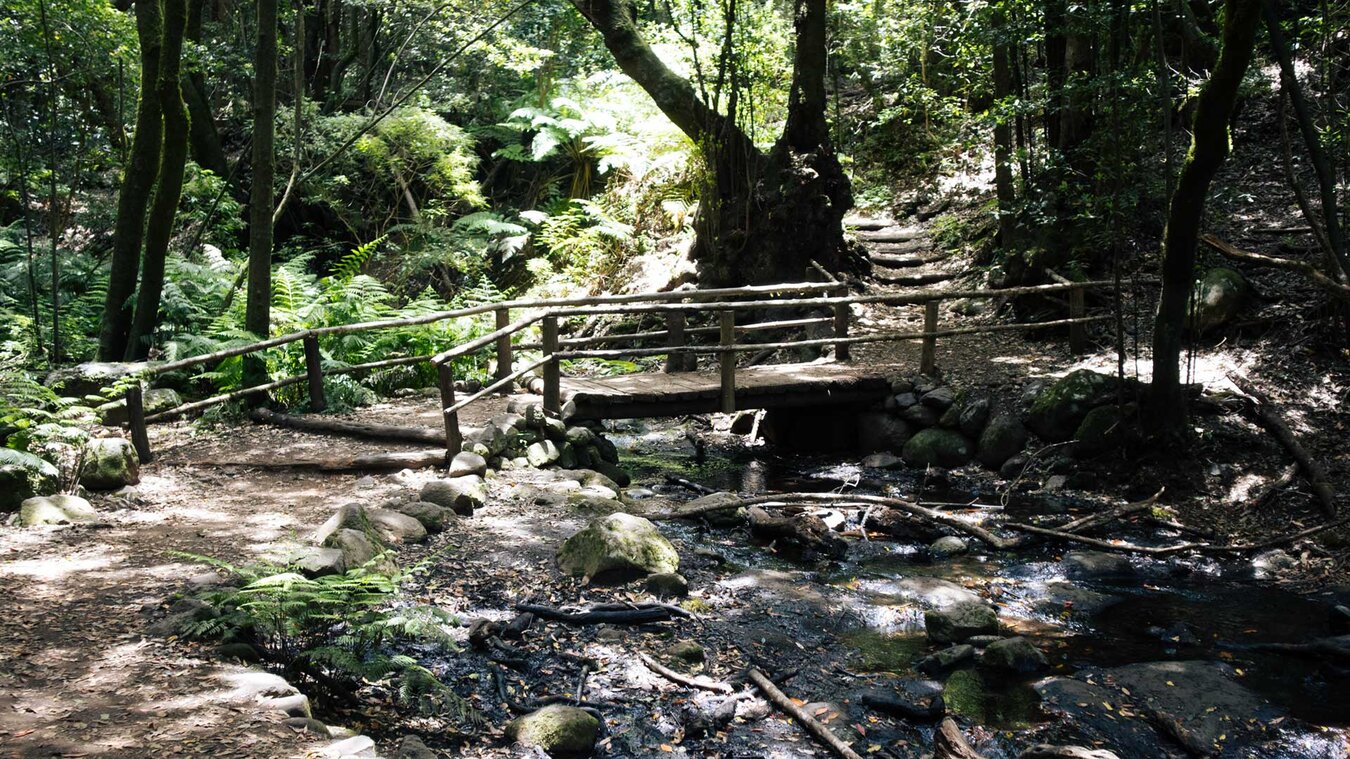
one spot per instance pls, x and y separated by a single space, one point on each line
637 615
1336 289
689 485
812 726
353 429
948 743
1286 477
1101 517
394 460
676 677
1269 417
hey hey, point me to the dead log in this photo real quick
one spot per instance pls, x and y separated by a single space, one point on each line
802 536
676 677
1336 289
784 704
365 462
948 743
898 525
352 429
1269 417
1102 517
639 614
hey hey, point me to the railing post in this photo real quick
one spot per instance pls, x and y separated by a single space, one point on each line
140 436
314 370
552 369
1077 332
504 359
928 360
841 317
675 362
727 323
454 442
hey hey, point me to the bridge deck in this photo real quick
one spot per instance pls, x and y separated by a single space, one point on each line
776 386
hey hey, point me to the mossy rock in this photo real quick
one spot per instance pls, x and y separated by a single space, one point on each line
618 544
110 463
1219 296
1061 407
18 484
937 447
1105 428
55 509
557 729
1004 437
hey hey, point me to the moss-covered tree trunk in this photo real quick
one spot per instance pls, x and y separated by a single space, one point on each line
763 216
205 139
257 311
1004 188
134 198
1209 149
173 160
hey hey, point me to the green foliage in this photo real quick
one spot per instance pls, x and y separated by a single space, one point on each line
39 431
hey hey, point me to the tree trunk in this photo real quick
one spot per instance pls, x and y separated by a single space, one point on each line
257 312
205 140
1055 72
1003 149
1209 148
173 160
134 198
763 217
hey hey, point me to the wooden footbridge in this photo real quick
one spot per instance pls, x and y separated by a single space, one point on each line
524 337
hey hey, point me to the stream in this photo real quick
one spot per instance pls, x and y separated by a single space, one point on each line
851 624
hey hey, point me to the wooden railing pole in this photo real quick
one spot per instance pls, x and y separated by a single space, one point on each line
727 322
675 362
841 317
1077 332
445 377
504 358
314 370
140 436
928 361
552 369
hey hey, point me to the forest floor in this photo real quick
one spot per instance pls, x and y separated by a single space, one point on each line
80 675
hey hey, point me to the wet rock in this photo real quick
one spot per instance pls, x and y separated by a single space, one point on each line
1003 438
948 658
557 729
1077 704
974 416
459 494
617 544
908 699
55 509
1176 634
668 585
640 494
1098 566
110 463
960 621
879 431
728 517
1013 656
882 461
1271 564
1047 751
1062 598
931 592
939 399
466 462
153 400
919 416
1218 298
1201 704
947 546
434 518
937 447
1062 406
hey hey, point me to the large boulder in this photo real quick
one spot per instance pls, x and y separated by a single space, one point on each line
90 378
459 494
18 484
154 400
466 463
960 622
1218 298
617 544
937 447
881 431
1013 656
110 463
1062 406
55 509
434 518
542 454
1097 565
1104 429
557 729
1003 437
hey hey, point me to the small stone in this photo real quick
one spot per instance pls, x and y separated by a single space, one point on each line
919 416
939 399
1014 466
947 546
1003 437
355 747
460 494
937 447
580 436
308 725
948 658
668 585
467 462
640 494
905 400
434 518
1271 563
367 483
412 747
974 415
882 461
901 385
542 454
686 651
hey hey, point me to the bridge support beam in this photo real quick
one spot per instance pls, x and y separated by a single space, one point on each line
928 359
727 325
454 442
504 358
552 369
314 373
841 317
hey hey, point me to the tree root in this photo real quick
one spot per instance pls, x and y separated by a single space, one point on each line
676 677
